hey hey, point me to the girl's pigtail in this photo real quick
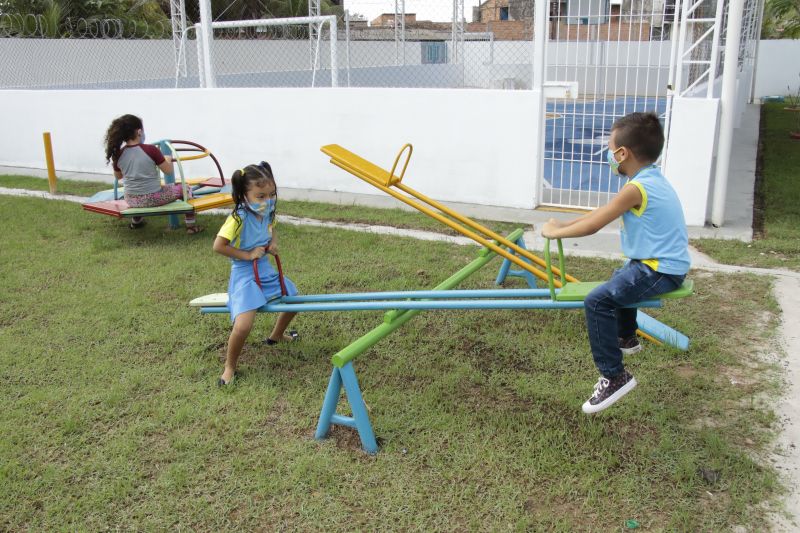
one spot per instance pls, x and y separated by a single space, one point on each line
238 193
268 170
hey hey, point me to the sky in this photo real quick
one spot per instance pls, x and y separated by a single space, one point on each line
435 10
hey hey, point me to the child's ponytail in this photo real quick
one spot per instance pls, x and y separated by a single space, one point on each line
122 129
239 184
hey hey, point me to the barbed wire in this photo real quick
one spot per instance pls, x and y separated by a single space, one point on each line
38 26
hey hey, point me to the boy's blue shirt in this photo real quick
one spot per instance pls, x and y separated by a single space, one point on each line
655 233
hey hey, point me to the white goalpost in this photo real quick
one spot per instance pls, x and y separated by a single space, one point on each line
205 39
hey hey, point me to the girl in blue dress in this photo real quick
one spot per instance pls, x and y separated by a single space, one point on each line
248 235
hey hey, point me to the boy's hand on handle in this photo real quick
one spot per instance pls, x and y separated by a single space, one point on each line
272 248
257 253
549 227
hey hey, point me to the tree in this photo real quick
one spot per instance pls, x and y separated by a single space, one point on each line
781 19
84 18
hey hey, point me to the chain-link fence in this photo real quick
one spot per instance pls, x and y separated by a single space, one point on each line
377 43
41 52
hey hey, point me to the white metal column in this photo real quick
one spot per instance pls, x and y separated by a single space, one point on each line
399 32
177 9
314 10
727 110
206 37
457 38
541 21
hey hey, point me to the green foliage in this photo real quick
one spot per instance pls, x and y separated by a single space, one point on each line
780 244
52 16
84 18
136 18
781 19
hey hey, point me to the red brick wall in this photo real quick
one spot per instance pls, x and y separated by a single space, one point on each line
505 30
615 31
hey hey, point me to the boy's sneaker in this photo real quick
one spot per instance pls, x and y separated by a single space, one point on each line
630 345
608 391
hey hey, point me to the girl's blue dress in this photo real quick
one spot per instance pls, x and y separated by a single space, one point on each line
244 294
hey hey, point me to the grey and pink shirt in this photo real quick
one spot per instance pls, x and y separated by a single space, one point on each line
139 166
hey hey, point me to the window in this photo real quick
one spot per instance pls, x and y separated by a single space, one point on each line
434 52
504 13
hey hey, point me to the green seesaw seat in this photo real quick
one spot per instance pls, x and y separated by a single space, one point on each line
578 291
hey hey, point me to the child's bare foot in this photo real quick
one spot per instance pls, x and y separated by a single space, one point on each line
227 377
289 336
193 230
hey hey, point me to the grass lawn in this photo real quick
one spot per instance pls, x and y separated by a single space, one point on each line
397 218
111 418
779 246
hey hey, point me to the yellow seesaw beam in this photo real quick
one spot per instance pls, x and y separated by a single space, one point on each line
384 180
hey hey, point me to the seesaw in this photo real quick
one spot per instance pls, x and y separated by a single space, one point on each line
512 250
209 193
402 306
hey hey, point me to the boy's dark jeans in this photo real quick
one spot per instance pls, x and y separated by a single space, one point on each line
607 320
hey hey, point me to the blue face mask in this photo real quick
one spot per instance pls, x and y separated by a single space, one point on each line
613 162
141 138
262 208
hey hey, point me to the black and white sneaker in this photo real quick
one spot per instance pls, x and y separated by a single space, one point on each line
630 346
608 391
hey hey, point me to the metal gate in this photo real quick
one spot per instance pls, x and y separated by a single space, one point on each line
604 59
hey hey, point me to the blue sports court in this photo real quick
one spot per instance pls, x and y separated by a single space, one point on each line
576 141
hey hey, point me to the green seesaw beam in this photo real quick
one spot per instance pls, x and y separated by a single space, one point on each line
344 376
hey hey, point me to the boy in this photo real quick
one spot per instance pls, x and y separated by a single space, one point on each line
654 238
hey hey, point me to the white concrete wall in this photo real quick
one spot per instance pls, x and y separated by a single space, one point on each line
778 67
472 157
690 155
483 158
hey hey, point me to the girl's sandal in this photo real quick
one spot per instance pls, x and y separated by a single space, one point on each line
193 230
221 382
289 336
136 225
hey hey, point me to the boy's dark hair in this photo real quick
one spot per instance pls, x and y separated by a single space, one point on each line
641 133
121 129
241 181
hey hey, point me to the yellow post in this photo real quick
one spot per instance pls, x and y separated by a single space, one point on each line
51 167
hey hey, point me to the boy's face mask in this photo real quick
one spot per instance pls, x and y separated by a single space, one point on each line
612 160
141 137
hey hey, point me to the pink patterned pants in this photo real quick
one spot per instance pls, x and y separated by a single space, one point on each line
167 194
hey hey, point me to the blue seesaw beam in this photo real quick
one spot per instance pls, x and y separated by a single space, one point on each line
278 307
434 295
